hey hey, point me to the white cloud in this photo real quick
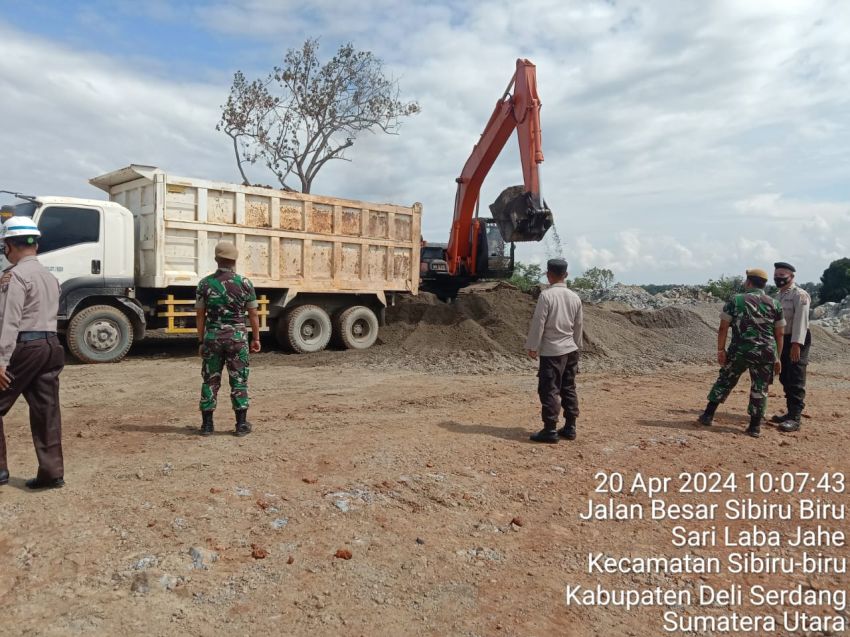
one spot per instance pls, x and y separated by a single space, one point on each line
801 232
669 129
757 250
633 249
70 116
776 207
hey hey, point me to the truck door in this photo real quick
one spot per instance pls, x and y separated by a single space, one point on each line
71 245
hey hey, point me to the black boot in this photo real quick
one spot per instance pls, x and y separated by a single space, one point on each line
568 431
243 427
707 416
4 476
754 429
779 418
792 423
207 423
549 436
45 483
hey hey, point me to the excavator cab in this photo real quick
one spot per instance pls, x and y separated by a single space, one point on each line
495 259
521 215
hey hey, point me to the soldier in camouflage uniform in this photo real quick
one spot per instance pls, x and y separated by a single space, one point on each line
757 324
222 300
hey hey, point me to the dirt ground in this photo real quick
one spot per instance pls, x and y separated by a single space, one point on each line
416 474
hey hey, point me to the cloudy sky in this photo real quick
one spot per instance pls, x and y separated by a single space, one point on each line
683 140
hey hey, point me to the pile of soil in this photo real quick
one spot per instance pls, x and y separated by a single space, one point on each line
492 322
639 340
484 332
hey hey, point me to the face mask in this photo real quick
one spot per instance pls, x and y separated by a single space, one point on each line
781 280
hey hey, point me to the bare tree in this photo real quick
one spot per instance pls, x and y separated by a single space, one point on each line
305 113
243 119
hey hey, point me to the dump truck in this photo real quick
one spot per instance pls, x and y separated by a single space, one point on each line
324 268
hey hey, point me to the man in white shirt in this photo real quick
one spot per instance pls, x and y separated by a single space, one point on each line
555 339
795 352
31 356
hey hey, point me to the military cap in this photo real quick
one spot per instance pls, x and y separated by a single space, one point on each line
226 250
557 267
758 273
783 265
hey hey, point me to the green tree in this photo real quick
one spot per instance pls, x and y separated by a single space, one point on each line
813 289
526 276
835 281
657 288
594 279
581 283
725 286
601 277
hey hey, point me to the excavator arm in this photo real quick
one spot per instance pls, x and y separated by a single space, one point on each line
519 212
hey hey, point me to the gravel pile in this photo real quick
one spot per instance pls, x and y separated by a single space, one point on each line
833 317
637 298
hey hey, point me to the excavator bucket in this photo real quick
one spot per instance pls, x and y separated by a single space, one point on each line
520 215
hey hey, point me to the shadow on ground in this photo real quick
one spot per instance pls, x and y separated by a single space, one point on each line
687 421
21 485
518 434
188 431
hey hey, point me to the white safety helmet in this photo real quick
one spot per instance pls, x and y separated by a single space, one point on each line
19 227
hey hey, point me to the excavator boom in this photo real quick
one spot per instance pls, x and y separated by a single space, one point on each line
519 212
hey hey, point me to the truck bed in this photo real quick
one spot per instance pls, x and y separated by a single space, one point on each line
304 243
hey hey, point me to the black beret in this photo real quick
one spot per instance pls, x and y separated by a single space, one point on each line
556 266
785 266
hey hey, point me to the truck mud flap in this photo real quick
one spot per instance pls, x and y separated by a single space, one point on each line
140 324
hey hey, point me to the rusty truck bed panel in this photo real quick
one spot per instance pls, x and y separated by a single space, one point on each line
307 243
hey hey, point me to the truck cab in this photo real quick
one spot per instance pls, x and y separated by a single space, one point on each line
88 246
432 262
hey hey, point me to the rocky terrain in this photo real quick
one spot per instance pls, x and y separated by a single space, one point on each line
387 492
834 317
637 298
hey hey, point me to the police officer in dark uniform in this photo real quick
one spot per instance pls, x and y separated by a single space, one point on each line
798 341
31 356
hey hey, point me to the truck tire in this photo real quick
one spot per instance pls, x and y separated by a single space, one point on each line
357 327
100 334
308 329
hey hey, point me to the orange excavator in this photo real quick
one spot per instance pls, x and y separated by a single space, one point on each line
477 246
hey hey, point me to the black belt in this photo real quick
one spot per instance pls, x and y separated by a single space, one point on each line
24 337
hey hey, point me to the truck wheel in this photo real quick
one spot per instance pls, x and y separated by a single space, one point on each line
308 329
357 327
100 334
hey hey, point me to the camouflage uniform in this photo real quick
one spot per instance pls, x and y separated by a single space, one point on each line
753 316
226 296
